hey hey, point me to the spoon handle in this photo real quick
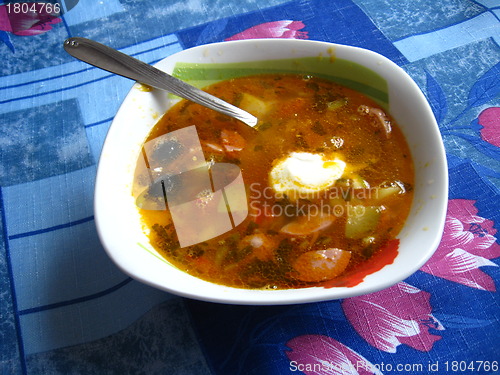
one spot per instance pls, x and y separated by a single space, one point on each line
114 61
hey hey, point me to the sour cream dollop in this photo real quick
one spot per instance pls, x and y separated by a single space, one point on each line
302 174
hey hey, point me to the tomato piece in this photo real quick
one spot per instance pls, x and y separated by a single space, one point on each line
232 141
213 147
203 265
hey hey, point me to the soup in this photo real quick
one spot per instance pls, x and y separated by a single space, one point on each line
327 174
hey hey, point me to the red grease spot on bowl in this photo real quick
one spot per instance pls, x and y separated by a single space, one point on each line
383 257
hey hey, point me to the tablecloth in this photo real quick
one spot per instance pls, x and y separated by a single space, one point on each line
65 307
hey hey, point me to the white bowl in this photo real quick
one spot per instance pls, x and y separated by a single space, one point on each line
117 217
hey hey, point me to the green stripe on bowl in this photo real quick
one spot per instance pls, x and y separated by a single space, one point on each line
341 71
154 254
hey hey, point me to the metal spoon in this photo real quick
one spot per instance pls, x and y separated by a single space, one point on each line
114 61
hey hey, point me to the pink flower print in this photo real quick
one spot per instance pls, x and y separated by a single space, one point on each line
398 315
33 22
322 355
489 119
468 243
278 29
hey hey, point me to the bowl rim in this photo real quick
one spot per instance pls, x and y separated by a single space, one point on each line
288 296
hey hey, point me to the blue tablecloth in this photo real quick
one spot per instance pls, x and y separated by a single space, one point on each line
66 309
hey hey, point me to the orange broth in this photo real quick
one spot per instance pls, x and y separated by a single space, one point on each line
283 241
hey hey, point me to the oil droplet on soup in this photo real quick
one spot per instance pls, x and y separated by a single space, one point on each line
328 177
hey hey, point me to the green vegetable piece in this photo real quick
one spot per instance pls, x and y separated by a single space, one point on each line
318 128
336 104
357 182
264 126
361 221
